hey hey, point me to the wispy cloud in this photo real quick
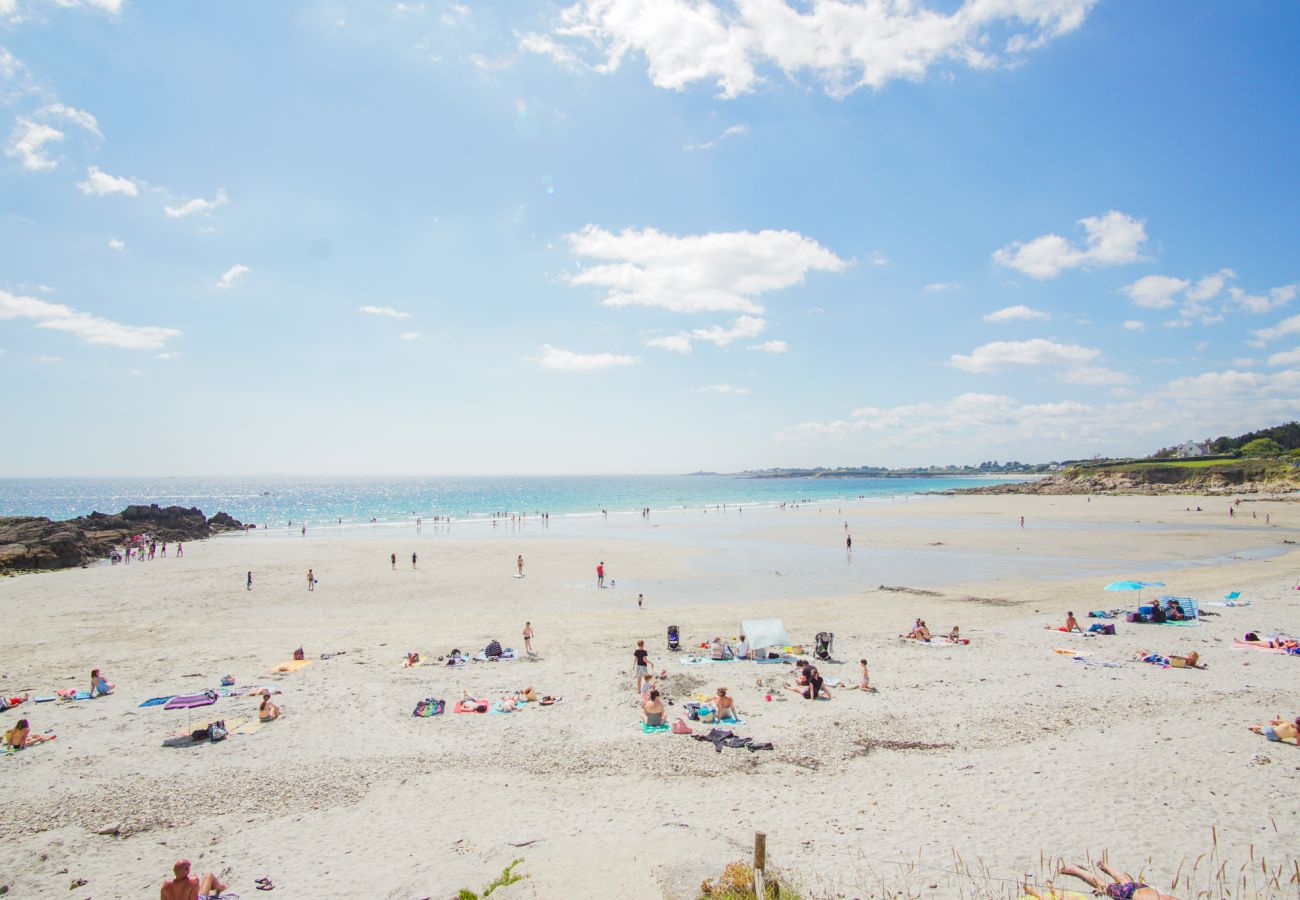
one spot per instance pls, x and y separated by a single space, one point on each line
233 274
27 144
197 205
410 335
1018 313
78 117
118 245
936 287
100 184
383 311
568 361
736 329
1112 239
770 347
90 328
723 388
998 355
733 131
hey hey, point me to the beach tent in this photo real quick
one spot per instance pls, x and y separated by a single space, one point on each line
764 633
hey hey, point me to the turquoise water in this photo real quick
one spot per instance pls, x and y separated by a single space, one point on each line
321 501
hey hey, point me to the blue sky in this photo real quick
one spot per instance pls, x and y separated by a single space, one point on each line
617 236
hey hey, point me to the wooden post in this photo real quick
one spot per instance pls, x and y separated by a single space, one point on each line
760 865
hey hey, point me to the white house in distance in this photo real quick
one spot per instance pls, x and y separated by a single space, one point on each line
1190 449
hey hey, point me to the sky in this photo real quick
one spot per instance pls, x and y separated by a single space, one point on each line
641 236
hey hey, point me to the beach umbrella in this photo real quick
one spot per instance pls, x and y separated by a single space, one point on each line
1133 586
191 702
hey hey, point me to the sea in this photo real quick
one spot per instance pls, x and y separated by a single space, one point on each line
274 502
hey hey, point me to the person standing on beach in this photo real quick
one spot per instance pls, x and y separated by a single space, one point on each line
250 581
311 580
413 557
528 638
393 560
519 564
180 549
600 574
640 601
848 542
1022 521
640 665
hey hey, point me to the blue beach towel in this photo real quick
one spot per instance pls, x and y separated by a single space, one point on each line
654 729
157 701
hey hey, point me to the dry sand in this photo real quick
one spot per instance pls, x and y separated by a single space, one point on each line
1001 751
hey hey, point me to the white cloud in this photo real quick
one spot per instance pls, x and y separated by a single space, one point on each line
78 117
1112 239
1135 325
878 259
1093 375
410 335
1209 286
197 205
90 328
1256 303
1281 329
167 355
115 244
733 131
384 311
27 144
568 361
770 347
722 389
1285 358
1037 352
99 184
715 272
936 287
1020 313
843 44
677 343
1156 291
49 360
232 275
112 7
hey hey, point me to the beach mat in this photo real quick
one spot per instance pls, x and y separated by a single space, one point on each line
654 729
252 726
157 701
292 665
487 704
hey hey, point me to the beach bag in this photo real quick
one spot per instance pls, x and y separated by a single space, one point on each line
680 727
298 654
1108 629
1133 617
217 731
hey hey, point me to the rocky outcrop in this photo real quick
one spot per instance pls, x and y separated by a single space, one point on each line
34 543
1155 479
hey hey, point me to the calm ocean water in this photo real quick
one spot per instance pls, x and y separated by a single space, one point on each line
275 501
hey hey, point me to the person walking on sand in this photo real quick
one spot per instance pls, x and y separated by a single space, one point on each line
600 574
519 565
250 581
180 549
848 543
393 560
413 558
640 601
1022 521
311 580
528 638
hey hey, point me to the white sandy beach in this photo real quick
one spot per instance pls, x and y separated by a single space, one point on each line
348 795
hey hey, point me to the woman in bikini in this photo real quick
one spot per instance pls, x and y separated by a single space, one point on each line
725 706
652 710
1122 886
866 678
21 736
268 711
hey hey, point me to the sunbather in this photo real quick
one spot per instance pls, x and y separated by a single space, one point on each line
1122 886
954 636
725 705
1272 641
99 685
1278 729
184 886
11 702
1174 612
919 631
268 711
21 736
411 660
652 710
1071 624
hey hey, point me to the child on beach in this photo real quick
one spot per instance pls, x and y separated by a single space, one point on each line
866 678
99 686
640 665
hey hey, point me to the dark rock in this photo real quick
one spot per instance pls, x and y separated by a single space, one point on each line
30 543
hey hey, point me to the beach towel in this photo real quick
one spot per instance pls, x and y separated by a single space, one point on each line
44 699
429 707
1232 595
292 665
1227 603
157 701
647 728
506 654
472 706
1096 663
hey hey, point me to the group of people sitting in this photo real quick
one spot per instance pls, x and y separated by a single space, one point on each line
1170 612
808 682
921 632
720 651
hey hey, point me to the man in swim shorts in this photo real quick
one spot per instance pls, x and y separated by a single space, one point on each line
185 886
